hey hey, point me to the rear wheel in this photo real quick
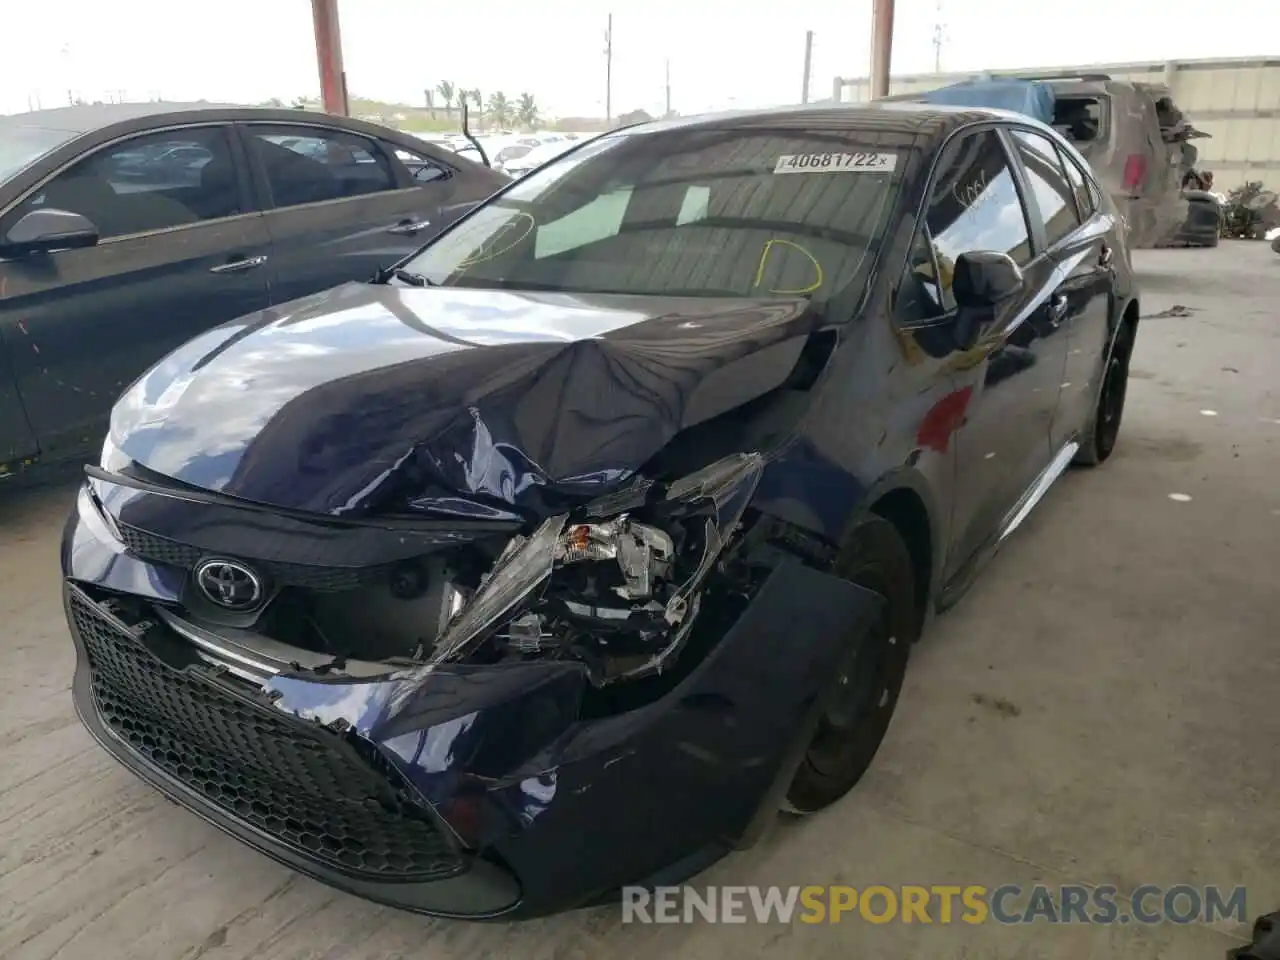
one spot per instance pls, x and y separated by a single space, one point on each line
860 701
1100 439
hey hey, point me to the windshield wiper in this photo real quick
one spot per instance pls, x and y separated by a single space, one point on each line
411 278
404 276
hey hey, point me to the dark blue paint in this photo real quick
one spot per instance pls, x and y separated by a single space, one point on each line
576 807
335 429
394 397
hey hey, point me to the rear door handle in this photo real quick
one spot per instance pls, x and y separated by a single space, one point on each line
239 265
1104 257
409 227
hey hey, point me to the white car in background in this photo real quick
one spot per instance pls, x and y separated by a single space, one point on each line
536 157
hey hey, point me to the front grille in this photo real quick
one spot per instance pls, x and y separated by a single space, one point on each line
149 546
295 782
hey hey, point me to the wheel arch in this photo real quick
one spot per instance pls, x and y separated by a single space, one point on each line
905 499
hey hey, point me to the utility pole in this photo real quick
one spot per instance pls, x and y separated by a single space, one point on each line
668 65
808 65
608 72
939 38
881 46
333 78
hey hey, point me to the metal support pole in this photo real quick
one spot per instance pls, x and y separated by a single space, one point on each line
881 46
608 72
333 79
808 65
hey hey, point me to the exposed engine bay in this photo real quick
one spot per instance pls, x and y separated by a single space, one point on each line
616 585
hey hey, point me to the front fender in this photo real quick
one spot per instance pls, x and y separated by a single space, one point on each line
590 804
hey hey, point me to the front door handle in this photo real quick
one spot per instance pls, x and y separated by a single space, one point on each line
239 265
1057 309
409 227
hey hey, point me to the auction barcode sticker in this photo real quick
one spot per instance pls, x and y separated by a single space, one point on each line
837 163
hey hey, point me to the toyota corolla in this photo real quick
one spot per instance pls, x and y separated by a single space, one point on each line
566 552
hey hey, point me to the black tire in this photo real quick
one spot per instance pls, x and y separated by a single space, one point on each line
1099 439
861 699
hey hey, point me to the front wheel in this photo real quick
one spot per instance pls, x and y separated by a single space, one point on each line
1100 438
860 700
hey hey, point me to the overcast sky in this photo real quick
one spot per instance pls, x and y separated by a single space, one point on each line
721 53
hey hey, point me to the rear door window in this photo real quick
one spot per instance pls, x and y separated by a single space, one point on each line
313 165
1086 201
1051 191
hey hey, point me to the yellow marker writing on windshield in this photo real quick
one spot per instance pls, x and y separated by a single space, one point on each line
511 227
764 257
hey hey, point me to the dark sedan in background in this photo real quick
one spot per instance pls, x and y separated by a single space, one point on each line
599 530
127 229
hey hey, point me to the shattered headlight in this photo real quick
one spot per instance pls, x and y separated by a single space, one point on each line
617 585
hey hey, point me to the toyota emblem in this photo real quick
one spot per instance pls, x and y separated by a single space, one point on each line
229 584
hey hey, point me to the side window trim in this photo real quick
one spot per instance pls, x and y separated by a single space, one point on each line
248 196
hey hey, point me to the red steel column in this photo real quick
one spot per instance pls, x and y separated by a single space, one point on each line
881 46
333 79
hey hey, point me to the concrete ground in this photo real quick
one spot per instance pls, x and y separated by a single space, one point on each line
1098 710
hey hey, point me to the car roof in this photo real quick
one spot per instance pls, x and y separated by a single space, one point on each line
908 119
87 117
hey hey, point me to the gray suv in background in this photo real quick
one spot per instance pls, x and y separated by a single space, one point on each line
1137 141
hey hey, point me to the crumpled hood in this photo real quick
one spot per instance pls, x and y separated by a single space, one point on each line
373 398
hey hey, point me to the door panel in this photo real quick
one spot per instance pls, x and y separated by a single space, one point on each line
1088 263
81 325
1059 199
86 323
1014 372
342 206
17 442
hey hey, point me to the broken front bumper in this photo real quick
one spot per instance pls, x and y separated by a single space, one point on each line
460 790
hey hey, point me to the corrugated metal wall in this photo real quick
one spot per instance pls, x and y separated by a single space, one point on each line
1237 101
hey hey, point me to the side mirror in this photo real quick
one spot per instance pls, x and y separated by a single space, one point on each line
983 279
46 230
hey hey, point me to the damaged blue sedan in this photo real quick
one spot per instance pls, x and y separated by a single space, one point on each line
566 552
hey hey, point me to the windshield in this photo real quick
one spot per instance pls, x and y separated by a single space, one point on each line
22 146
740 212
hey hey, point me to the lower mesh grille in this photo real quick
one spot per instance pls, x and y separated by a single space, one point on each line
297 784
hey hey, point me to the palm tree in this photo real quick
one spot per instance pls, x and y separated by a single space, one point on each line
430 96
478 102
446 91
499 109
527 111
